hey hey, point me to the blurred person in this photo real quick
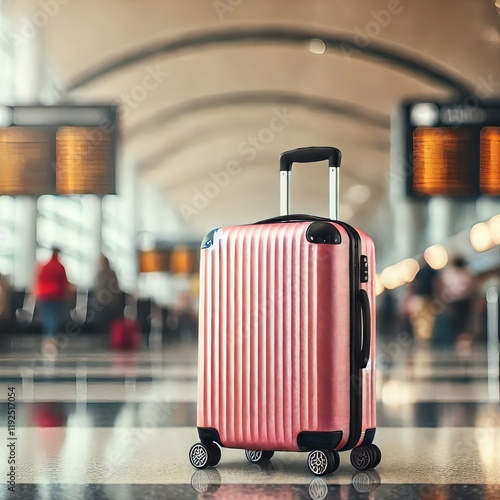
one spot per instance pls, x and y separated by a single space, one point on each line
51 292
5 306
457 291
106 296
184 318
5 291
419 305
387 315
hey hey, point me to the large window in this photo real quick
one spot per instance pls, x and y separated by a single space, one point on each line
72 224
7 68
7 204
7 233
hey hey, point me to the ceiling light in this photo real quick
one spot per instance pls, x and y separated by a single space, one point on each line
480 237
494 225
379 287
359 193
436 256
346 212
391 277
424 114
408 269
317 46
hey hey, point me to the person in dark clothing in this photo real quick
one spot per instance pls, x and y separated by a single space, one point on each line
5 304
458 289
106 297
419 305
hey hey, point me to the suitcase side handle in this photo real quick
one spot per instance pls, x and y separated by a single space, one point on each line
310 155
367 327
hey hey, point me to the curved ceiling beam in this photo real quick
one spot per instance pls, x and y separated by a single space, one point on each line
383 52
158 158
264 159
333 106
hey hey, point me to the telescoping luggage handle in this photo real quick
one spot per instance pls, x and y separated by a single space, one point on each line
310 155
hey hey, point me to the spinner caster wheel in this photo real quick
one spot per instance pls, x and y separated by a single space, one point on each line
204 455
376 453
257 456
366 457
321 462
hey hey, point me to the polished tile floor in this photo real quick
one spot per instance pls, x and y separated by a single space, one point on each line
96 424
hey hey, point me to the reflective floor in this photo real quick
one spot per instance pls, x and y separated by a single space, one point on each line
96 424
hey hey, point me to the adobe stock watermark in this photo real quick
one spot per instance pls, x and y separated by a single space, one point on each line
31 25
486 86
379 20
249 150
151 80
222 7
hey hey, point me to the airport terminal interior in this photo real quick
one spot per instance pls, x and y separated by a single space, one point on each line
130 132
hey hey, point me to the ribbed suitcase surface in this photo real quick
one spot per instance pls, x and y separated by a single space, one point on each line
274 336
287 335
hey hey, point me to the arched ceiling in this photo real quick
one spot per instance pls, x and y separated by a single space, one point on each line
210 86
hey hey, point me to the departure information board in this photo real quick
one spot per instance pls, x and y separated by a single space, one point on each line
154 261
26 161
490 161
84 161
451 149
58 150
170 258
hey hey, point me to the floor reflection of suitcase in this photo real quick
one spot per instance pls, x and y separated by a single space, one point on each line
287 336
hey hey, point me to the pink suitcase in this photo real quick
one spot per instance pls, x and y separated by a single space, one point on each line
287 336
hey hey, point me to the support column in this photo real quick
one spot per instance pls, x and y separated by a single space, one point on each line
27 79
440 224
409 216
24 241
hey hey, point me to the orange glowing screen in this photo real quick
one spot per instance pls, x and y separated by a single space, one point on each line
443 162
26 161
183 261
177 260
490 161
153 261
84 161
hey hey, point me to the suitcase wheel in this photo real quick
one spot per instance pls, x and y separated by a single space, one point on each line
321 462
257 456
204 455
366 457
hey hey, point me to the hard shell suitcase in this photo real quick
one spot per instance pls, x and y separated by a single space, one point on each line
287 335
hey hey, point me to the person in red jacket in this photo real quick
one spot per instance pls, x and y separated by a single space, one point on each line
51 291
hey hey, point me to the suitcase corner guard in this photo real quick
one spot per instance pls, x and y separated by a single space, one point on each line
209 435
310 441
369 437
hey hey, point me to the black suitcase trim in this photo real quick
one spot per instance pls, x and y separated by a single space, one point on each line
310 441
356 382
209 435
369 437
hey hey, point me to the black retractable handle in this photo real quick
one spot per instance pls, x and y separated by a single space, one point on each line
310 155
